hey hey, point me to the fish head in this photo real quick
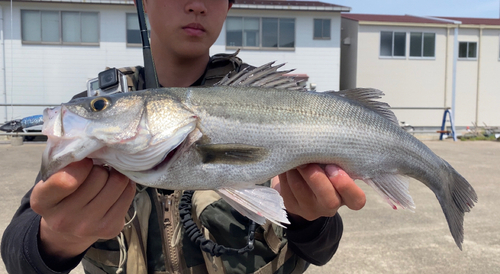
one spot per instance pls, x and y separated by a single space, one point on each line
127 131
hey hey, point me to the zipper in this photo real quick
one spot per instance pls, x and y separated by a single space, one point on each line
172 263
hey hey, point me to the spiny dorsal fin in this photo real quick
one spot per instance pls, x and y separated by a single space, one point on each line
265 76
368 98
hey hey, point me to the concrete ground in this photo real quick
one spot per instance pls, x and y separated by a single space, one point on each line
376 239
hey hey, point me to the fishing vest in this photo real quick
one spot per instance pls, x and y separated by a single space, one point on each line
166 231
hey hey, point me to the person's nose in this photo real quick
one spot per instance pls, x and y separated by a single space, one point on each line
197 7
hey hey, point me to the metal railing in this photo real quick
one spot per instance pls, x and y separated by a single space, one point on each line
430 108
447 110
29 105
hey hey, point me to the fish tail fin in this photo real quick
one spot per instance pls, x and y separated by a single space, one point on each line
458 197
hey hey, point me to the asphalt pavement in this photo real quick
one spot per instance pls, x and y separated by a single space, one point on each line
377 239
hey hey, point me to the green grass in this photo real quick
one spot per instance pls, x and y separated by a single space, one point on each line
478 138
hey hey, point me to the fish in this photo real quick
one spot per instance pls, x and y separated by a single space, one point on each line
236 135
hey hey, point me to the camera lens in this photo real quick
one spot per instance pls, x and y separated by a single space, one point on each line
108 78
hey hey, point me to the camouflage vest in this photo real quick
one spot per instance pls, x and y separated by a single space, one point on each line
155 241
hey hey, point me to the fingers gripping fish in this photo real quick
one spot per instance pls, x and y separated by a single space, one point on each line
245 130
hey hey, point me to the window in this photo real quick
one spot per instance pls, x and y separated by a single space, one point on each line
133 30
422 44
322 29
254 32
467 50
392 44
60 27
242 32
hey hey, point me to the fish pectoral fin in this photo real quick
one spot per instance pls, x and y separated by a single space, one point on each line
258 203
394 188
232 154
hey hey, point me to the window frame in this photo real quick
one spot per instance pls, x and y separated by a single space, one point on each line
329 33
61 41
392 45
260 47
135 45
468 43
422 46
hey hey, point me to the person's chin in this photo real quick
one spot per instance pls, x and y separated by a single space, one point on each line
191 49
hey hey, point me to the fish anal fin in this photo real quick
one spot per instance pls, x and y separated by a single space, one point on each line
257 203
233 154
394 188
368 98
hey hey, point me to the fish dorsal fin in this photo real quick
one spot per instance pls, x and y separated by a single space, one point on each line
265 76
368 98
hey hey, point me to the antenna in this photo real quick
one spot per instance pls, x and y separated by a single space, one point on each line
149 67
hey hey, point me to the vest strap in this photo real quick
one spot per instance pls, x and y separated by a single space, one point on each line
207 245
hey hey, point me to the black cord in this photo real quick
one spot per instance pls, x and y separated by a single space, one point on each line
206 245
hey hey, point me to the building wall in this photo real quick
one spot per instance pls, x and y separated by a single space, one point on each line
406 81
52 74
349 54
489 87
409 82
319 59
466 81
478 91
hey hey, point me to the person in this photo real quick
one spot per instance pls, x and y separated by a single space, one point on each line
79 211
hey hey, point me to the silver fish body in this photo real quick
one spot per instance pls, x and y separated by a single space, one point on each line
233 137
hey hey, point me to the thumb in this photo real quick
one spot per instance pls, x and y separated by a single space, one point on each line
351 194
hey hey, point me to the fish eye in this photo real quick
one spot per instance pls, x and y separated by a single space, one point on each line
99 104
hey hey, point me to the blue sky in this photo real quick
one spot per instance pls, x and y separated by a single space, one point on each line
458 8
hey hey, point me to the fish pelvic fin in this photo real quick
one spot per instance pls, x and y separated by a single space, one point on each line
257 203
265 76
232 154
368 98
394 188
456 198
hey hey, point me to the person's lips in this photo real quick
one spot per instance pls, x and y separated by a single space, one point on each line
194 29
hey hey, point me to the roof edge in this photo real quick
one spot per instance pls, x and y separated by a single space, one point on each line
294 8
437 19
105 2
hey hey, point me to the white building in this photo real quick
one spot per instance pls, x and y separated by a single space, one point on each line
411 59
50 49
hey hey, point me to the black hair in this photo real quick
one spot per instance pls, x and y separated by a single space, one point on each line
231 1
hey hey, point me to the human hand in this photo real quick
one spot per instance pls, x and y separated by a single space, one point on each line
79 205
309 192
